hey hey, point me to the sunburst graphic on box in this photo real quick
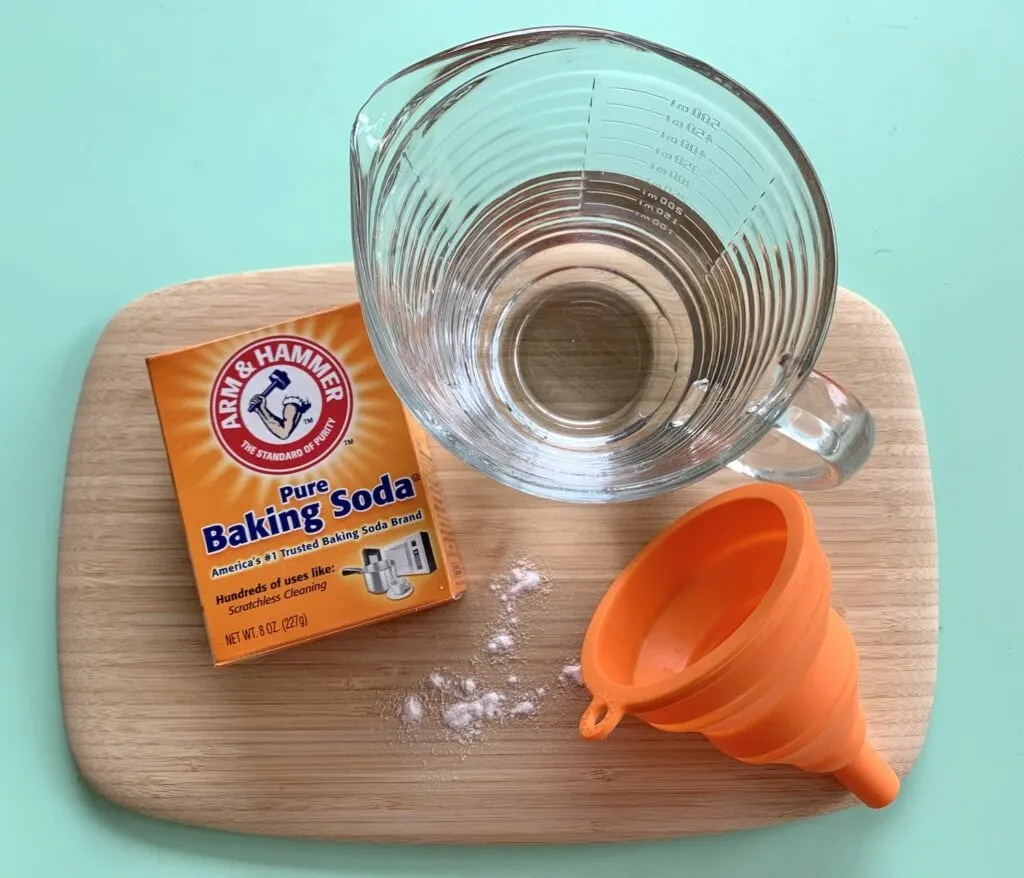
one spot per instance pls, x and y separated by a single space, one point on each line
304 402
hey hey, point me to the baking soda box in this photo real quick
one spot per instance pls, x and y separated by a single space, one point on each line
305 490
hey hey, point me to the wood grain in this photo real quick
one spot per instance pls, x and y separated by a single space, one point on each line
305 742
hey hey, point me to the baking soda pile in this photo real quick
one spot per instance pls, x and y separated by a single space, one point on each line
463 706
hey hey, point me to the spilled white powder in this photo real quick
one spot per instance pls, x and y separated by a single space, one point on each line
412 710
458 716
522 580
454 702
500 643
572 674
487 705
462 714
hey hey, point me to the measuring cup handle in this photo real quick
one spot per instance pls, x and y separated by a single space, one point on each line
821 440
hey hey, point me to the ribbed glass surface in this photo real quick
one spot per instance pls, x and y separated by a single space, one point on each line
594 268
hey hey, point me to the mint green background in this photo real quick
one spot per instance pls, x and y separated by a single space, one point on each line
143 143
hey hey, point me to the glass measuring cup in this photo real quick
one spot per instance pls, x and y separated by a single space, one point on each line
597 269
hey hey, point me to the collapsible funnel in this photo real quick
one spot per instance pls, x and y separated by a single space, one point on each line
722 625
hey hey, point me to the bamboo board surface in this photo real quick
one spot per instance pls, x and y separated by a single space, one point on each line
305 742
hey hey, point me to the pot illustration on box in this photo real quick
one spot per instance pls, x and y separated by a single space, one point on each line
385 570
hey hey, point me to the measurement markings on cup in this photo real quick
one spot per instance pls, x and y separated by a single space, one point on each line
677 156
662 212
633 107
638 91
721 192
630 124
617 155
730 178
704 127
685 115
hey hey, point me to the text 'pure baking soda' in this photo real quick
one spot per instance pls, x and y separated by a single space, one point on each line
305 490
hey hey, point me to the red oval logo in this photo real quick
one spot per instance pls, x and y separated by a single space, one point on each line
281 404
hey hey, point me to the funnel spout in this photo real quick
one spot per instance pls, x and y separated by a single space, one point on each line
870 778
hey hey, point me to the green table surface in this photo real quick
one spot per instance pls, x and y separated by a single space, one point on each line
146 143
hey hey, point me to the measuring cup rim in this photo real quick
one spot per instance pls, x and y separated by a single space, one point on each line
510 38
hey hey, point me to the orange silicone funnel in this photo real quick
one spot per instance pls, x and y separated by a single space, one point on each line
722 625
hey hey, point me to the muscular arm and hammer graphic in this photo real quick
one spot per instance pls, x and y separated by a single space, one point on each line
282 426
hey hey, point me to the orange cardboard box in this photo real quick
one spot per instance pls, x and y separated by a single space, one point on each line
305 490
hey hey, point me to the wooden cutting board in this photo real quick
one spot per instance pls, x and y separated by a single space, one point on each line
306 742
